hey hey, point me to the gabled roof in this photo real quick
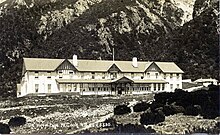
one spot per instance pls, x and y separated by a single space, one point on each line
93 65
169 67
42 64
123 79
45 64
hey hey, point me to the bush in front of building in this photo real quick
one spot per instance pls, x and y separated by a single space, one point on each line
139 107
173 109
17 121
193 110
162 98
4 129
152 117
156 105
121 109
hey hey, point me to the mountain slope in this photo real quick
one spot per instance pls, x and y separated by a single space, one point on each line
149 30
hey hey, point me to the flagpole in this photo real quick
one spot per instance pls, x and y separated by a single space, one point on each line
113 54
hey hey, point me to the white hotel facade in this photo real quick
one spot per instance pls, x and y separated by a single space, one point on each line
41 76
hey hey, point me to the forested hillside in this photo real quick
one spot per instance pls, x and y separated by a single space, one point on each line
183 31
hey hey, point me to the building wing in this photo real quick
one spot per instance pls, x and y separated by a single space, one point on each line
41 64
169 67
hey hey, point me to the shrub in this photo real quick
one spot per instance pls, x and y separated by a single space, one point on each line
193 110
139 107
17 121
4 129
162 98
173 109
155 105
152 117
121 109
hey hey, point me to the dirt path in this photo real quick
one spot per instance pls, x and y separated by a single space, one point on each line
33 106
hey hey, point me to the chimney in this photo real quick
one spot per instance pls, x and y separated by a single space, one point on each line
134 62
75 62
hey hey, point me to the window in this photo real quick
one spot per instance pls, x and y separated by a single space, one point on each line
103 75
132 75
36 88
71 72
49 88
164 76
158 86
69 87
60 74
82 75
171 76
49 74
171 86
93 75
156 74
36 74
113 75
142 76
178 86
177 76
148 75
163 86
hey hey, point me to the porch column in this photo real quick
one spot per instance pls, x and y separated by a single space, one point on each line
152 87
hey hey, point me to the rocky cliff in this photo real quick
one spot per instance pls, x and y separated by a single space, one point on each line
183 31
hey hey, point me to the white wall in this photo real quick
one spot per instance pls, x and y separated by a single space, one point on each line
29 81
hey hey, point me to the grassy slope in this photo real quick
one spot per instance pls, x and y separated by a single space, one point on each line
61 114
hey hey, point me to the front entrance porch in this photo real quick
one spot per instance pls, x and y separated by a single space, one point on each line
122 86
